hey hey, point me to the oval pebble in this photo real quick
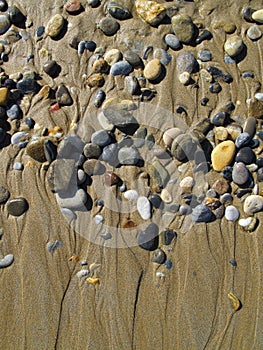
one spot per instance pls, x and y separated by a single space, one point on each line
16 137
253 204
6 261
153 69
131 194
128 156
183 28
99 98
159 256
171 134
81 176
18 166
245 222
121 68
246 156
54 26
144 207
83 273
186 62
187 182
4 24
242 140
51 247
205 55
258 16
222 155
69 213
17 206
101 138
113 56
201 214
172 41
98 219
231 213
148 238
240 173
234 45
118 11
254 32
109 26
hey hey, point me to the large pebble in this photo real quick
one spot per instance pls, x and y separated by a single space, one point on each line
246 156
153 69
160 174
15 15
148 238
150 11
162 55
17 206
121 68
144 207
171 134
92 150
101 138
186 62
250 126
240 173
223 155
172 41
258 16
253 204
76 201
183 28
118 11
201 214
4 24
54 26
231 213
133 58
234 45
128 156
109 26
183 147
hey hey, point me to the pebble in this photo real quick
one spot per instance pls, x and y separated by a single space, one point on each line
98 219
253 225
220 119
164 56
253 204
160 174
221 133
16 137
83 273
101 138
133 58
93 167
166 196
221 186
111 179
245 222
53 246
233 262
219 74
171 134
16 17
240 174
35 149
109 26
3 5
27 86
247 14
150 11
183 147
183 28
259 96
113 56
205 35
118 11
6 261
257 16
260 175
51 68
234 130
132 85
92 150
63 96
144 207
186 62
69 213
234 45
211 193
99 98
159 256
219 212
54 26
201 214
106 236
153 69
4 24
172 41
14 112
74 202
73 7
246 75
168 264
222 155
187 183
4 96
242 140
131 195
2 135
4 195
148 238
254 32
110 154
246 156
18 166
226 198
168 236
95 80
250 126
205 55
184 78
215 88
50 150
259 162
100 66
121 68
156 201
185 209
81 176
93 3
17 206
128 156
231 213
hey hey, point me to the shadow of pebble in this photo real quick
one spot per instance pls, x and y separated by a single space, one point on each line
161 76
62 32
241 56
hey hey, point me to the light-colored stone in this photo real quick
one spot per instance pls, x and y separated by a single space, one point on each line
152 69
258 16
231 213
223 154
184 78
131 194
221 133
166 196
113 56
54 26
187 182
171 134
183 28
234 45
77 201
253 204
150 11
144 207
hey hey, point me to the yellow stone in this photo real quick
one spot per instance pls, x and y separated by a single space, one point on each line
223 155
54 26
150 11
153 69
4 96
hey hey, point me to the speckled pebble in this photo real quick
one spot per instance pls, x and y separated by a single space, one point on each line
150 11
205 55
231 213
172 41
54 26
201 214
183 28
186 62
109 26
234 45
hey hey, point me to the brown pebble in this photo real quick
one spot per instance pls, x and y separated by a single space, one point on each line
221 186
100 66
255 109
111 178
127 223
74 258
35 149
153 69
212 203
95 80
73 7
63 97
4 96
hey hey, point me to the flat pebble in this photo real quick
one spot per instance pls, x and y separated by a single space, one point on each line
17 206
74 202
144 207
222 155
132 85
18 166
172 41
63 96
246 156
201 214
4 24
160 174
121 68
254 32
153 69
187 182
150 11
101 138
128 156
51 247
253 204
109 26
6 261
118 11
240 173
186 62
54 26
16 137
166 196
234 45
221 186
98 219
131 194
99 98
205 55
258 16
156 201
231 213
14 112
245 222
184 78
69 213
133 58
4 194
183 147
148 238
183 28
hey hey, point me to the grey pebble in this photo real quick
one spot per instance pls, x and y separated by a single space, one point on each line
4 24
185 209
254 32
4 194
109 26
81 177
14 112
17 206
211 193
132 85
219 119
148 238
133 58
168 264
220 212
159 256
81 47
186 62
168 236
121 68
69 213
246 156
250 126
164 56
92 150
147 51
123 187
201 214
101 138
110 153
27 86
99 98
160 174
106 236
246 75
16 137
226 198
40 31
172 41
53 246
6 261
205 55
242 140
18 166
128 156
240 173
50 150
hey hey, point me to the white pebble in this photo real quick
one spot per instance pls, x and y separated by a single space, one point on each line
187 182
82 273
231 213
15 139
245 222
255 189
131 195
184 78
253 204
98 219
166 196
69 213
144 207
259 96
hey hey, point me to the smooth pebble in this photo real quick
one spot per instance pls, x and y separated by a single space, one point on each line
231 213
144 207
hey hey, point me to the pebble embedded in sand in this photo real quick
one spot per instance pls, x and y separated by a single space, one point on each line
95 80
258 16
253 204
201 214
153 69
112 56
73 7
109 26
172 41
234 45
4 194
51 247
231 213
150 11
73 202
98 219
121 68
186 62
254 32
148 238
54 26
17 206
222 155
144 207
160 174
6 261
240 173
183 28
35 149
159 256
131 194
118 11
63 96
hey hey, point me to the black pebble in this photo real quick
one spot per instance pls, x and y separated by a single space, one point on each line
246 156
3 5
247 14
233 262
259 162
90 45
10 84
40 31
156 201
168 236
215 88
204 101
227 173
30 122
148 238
50 150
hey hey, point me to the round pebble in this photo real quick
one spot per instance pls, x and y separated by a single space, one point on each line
162 55
81 176
233 46
109 26
171 134
254 32
242 140
184 78
101 138
240 174
205 55
17 206
144 207
121 68
128 156
4 24
172 41
222 155
183 28
186 62
201 214
231 213
253 204
133 58
98 219
92 150
159 256
54 26
153 69
93 3
73 7
246 156
18 166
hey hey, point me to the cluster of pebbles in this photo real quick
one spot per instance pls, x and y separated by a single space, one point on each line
219 147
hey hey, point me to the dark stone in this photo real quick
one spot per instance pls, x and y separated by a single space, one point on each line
90 46
250 126
118 11
233 262
50 150
92 150
219 74
201 214
51 68
16 16
247 14
121 68
2 135
204 101
109 26
3 5
101 138
28 86
110 154
63 96
220 119
3 113
215 88
259 162
260 175
17 206
227 173
205 35
183 147
156 201
99 98
246 75
168 235
242 140
246 156
40 31
14 112
148 239
10 84
168 264
241 192
254 143
159 256
204 167
30 122
123 120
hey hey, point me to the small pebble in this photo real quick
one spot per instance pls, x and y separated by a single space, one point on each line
159 256
162 55
144 207
128 156
133 58
109 26
260 175
184 78
2 135
4 194
231 213
233 262
113 56
53 246
111 179
247 14
153 69
121 68
242 140
18 166
215 88
99 98
233 45
168 264
73 7
98 219
73 202
246 75
54 26
93 3
3 5
259 96
185 209
131 194
226 198
6 261
219 119
83 273
17 206
156 201
254 32
172 41
160 174
221 186
14 112
132 85
201 214
205 55
186 62
118 11
187 183
101 138
16 137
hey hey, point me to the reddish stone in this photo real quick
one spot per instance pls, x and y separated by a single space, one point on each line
54 108
73 7
128 224
111 178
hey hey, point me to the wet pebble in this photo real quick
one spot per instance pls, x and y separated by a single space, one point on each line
153 69
219 212
168 264
51 68
148 238
242 140
99 98
221 186
259 96
27 86
133 58
168 236
253 204
222 155
150 11
16 137
144 207
63 96
250 126
246 156
109 26
93 3
73 7
186 62
231 213
185 209
234 45
110 153
121 68
156 201
118 11
3 5
73 201
215 88
159 256
101 138
93 167
184 78
219 119
81 176
233 262
205 55
54 26
183 28
17 206
260 175
201 214
247 14
226 198
18 166
172 41
254 32
51 247
128 156
171 134
4 24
